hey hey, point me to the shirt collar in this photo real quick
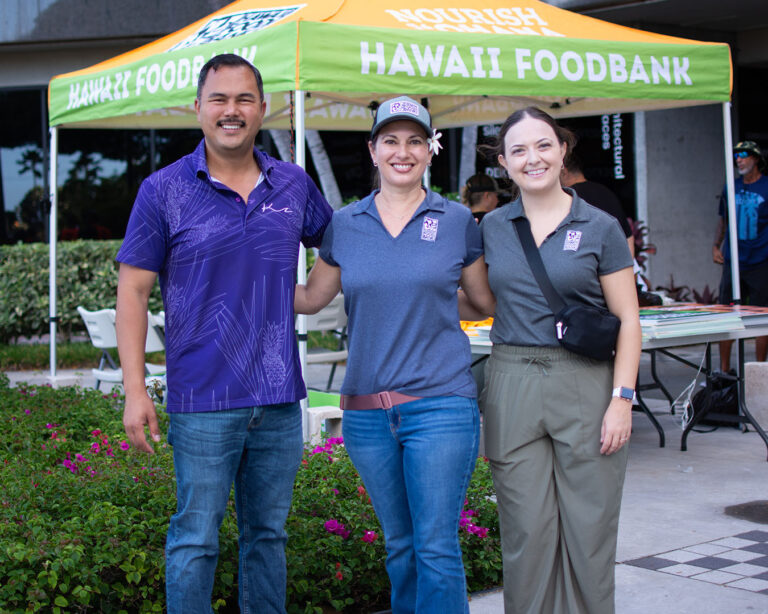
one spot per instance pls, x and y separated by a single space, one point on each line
265 162
432 202
578 212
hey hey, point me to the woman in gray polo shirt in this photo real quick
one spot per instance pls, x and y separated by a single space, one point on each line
556 423
411 423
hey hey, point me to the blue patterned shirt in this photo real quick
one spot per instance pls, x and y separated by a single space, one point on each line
751 222
227 272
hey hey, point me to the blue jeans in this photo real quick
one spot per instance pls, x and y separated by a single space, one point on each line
259 449
416 461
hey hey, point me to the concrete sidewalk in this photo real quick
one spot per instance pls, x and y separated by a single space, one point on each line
673 505
673 501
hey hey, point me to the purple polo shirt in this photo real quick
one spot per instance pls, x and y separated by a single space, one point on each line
227 272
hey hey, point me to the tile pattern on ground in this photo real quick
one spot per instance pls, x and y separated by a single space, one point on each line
740 561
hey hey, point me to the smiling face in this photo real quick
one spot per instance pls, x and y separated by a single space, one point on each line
533 155
230 111
400 151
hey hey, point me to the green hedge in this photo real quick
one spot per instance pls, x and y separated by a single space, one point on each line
83 518
86 275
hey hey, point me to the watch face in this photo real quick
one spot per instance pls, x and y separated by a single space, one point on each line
627 393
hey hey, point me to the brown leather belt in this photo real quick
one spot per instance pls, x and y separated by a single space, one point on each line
379 400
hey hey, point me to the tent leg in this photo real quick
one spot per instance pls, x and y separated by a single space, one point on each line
52 230
733 237
301 323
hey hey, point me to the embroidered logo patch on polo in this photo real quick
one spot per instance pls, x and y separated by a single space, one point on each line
572 240
429 229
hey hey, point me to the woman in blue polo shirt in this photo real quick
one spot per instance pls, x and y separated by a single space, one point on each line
411 423
556 423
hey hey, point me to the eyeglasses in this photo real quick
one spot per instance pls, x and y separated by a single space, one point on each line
740 154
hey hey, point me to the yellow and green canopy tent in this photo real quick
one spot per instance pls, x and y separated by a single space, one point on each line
474 65
325 61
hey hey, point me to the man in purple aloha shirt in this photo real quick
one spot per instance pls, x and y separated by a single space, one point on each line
221 228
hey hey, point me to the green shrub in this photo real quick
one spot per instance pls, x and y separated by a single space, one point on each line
86 275
83 519
75 355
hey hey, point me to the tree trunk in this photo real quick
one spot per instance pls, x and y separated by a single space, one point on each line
328 185
324 170
282 139
468 154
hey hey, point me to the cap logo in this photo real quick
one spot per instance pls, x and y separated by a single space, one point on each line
403 106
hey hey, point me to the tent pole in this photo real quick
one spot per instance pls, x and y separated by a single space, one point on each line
53 195
733 236
301 322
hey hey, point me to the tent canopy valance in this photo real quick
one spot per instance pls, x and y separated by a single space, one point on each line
474 65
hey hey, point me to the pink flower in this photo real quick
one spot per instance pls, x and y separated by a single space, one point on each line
339 575
69 465
335 527
27 411
370 536
79 458
96 432
335 441
95 448
110 453
331 525
124 446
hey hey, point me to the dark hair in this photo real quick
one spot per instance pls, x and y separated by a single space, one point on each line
232 60
472 192
564 136
573 162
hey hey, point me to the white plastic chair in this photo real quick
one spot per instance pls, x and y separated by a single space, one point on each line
331 318
101 329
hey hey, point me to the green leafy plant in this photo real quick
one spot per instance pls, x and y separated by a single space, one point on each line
86 275
83 517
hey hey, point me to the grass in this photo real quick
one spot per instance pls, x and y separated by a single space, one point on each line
82 355
76 355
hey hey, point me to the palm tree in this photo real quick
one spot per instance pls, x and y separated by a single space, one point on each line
30 160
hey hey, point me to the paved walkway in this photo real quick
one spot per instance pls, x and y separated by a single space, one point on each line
676 551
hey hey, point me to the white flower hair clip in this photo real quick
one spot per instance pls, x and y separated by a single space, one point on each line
434 143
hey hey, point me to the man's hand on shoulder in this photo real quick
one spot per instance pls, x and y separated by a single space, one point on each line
140 412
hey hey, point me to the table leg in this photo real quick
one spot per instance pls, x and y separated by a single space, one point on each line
647 411
659 383
742 395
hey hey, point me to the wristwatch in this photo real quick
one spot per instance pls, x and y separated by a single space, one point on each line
624 393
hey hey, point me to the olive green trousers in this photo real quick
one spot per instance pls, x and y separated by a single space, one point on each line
558 497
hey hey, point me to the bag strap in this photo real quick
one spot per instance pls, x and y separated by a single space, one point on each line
532 255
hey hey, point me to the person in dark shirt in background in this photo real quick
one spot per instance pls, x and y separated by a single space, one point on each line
480 194
596 194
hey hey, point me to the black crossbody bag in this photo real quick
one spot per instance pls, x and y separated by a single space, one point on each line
583 329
